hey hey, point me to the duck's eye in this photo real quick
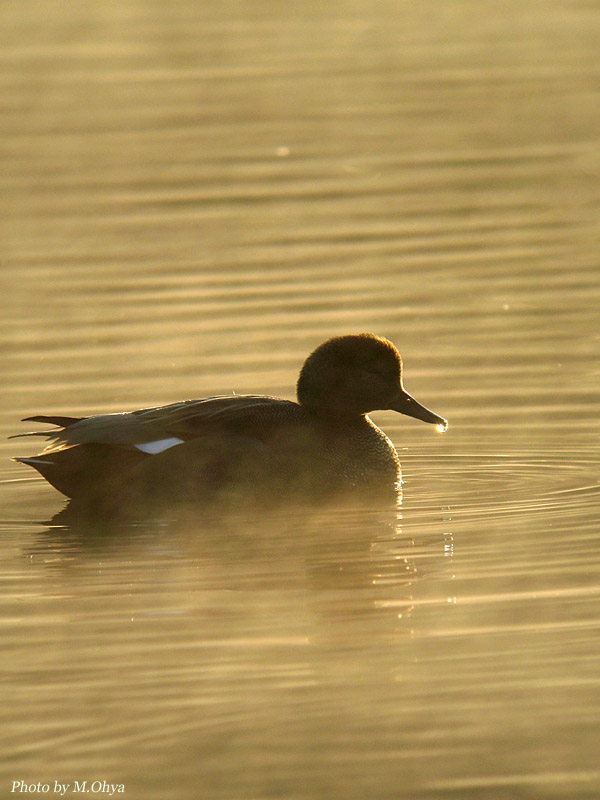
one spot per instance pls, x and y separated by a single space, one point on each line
374 372
379 369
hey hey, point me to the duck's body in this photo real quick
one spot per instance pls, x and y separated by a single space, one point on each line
196 449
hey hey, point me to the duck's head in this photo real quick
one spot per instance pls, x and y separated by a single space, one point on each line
349 376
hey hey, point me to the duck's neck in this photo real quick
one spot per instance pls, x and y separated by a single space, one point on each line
335 417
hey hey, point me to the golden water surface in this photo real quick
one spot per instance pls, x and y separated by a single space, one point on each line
195 195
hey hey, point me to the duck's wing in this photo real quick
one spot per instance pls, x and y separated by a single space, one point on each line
91 456
170 425
223 414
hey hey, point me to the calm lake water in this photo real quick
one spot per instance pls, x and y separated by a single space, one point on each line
194 196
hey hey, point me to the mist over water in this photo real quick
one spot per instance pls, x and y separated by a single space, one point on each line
194 197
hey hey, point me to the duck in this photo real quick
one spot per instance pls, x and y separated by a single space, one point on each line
218 447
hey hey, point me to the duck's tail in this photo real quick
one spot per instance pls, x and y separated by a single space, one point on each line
62 422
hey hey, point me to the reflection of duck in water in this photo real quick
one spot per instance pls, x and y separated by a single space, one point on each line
270 448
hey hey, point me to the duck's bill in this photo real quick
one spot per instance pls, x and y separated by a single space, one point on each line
405 404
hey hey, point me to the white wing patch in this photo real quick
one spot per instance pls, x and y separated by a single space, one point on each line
158 445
